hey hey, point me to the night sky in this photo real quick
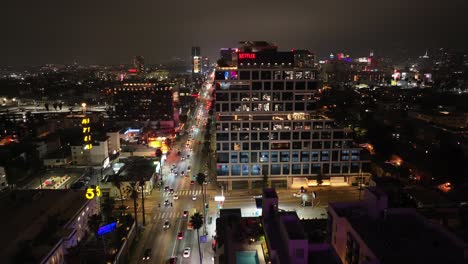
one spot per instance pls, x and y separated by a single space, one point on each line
113 31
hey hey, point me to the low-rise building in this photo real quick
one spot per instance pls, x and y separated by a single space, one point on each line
368 231
276 237
94 156
42 224
135 170
114 140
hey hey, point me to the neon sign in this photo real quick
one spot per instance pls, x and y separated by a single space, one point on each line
106 228
91 193
86 132
246 55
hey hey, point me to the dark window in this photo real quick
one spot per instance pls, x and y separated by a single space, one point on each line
266 75
234 136
245 146
267 86
256 85
255 146
255 75
222 96
278 86
253 136
223 158
222 136
244 75
300 85
289 85
253 156
297 145
287 96
299 107
312 86
305 135
295 135
285 135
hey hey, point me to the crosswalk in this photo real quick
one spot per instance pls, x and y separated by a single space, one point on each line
168 215
184 192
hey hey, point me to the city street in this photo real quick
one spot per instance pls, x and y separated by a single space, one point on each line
165 243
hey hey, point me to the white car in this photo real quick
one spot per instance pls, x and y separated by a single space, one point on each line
186 252
175 197
194 197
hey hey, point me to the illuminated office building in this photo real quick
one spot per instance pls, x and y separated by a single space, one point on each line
267 125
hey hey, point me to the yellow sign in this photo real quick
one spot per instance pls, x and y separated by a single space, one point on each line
91 193
85 121
88 146
86 130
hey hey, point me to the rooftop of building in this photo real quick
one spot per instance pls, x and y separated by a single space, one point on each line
405 235
134 170
292 224
37 216
315 229
113 129
235 233
401 233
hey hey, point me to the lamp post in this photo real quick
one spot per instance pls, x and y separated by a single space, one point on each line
83 106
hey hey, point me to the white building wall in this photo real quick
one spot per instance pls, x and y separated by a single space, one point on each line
114 141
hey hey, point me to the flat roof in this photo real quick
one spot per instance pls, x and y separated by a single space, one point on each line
293 226
30 213
403 234
134 169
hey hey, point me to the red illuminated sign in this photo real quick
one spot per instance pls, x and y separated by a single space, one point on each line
246 55
132 70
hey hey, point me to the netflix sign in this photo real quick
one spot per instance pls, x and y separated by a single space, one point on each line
246 56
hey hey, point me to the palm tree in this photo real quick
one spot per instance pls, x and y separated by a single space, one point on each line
118 184
201 181
107 208
197 221
141 183
134 195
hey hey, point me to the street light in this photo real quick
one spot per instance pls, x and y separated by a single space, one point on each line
83 106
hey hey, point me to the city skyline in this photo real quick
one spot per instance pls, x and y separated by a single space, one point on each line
109 33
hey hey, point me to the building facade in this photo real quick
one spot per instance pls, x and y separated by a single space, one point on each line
368 231
94 156
267 126
143 102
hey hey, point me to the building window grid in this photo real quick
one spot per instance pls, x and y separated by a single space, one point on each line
305 160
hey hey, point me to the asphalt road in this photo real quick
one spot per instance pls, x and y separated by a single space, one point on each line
164 242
